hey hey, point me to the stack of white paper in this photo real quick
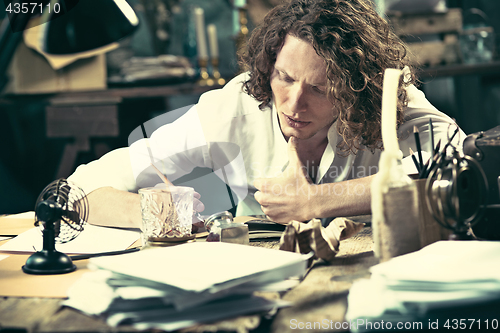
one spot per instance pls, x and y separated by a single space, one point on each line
179 286
432 288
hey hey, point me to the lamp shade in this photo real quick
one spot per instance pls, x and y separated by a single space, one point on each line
91 24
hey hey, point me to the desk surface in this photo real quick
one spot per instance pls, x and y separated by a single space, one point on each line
322 295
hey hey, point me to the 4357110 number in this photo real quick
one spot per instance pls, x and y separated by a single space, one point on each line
468 324
32 8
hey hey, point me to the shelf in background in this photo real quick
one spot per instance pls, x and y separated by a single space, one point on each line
483 69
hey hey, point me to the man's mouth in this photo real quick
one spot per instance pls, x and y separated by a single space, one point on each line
296 123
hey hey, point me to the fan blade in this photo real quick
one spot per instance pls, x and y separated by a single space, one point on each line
72 216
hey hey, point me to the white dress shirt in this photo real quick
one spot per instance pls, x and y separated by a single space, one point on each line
228 133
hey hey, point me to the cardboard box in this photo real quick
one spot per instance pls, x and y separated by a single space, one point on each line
31 73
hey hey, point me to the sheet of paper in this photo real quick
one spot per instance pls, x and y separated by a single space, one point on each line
179 286
445 261
93 239
170 320
151 308
15 224
26 215
200 266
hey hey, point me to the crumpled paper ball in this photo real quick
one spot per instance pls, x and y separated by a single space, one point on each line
313 237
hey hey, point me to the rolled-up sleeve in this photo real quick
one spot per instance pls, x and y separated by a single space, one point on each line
174 148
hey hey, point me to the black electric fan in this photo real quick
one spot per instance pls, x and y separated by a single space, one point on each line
61 212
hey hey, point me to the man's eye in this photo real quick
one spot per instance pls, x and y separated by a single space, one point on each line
319 90
285 77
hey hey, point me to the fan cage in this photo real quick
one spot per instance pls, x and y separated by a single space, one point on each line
74 205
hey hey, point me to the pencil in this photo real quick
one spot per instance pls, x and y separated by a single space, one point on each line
162 176
431 166
419 148
443 152
431 134
438 146
415 160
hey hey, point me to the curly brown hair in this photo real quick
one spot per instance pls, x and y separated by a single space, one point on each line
357 45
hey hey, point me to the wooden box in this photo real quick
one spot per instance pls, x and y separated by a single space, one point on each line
432 38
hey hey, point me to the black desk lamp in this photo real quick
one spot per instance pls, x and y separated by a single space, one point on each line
90 25
72 26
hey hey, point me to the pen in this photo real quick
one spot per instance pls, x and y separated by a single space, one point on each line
101 254
419 148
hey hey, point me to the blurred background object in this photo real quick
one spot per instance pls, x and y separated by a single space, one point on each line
477 39
455 50
415 6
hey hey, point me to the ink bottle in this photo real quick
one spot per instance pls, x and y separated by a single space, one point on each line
222 228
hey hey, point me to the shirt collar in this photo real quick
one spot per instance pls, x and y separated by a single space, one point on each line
329 153
281 146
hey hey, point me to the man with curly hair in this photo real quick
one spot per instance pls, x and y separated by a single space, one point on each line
297 136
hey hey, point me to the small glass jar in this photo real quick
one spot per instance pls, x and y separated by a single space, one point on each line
222 228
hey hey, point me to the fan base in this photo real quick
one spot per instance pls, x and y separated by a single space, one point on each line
48 262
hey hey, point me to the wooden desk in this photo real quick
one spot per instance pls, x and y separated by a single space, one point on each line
322 295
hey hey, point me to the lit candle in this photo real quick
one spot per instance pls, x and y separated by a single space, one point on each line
212 40
201 41
240 3
236 21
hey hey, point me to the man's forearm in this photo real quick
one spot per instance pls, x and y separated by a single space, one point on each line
114 208
347 198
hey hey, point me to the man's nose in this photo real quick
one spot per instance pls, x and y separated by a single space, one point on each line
298 98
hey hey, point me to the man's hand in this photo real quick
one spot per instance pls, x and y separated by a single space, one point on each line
288 196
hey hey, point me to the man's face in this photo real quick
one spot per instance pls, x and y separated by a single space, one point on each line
298 83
